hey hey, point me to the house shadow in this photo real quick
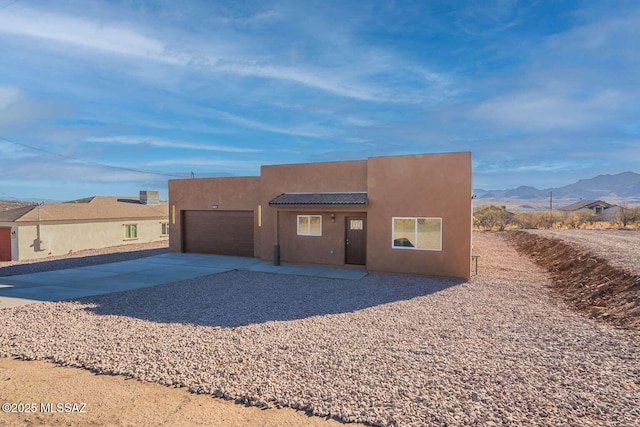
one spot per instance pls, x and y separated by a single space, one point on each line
240 298
61 264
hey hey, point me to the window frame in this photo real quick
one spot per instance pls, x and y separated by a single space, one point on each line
127 227
415 218
308 232
164 226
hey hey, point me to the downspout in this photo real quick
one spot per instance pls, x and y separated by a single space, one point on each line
38 242
276 245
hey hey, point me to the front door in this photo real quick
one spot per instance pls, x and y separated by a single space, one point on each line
356 240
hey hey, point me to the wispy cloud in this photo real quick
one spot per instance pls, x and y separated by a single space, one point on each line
549 109
356 78
154 142
16 108
309 130
83 33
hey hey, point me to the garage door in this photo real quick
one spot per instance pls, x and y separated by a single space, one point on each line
218 232
5 244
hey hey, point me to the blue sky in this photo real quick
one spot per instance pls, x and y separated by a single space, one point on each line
541 92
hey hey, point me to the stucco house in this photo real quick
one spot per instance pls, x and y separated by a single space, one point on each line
602 210
397 214
49 229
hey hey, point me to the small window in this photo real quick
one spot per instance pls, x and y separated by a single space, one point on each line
130 231
309 225
165 229
417 233
356 224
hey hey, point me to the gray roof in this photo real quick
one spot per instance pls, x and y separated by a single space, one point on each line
11 215
586 204
331 199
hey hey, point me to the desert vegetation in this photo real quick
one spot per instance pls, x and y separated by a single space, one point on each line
498 218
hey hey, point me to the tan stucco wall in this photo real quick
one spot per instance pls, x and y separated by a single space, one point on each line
230 194
304 178
434 185
326 249
61 238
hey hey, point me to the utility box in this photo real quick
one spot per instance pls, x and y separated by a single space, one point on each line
40 245
149 197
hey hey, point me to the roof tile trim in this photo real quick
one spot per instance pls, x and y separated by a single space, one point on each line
341 199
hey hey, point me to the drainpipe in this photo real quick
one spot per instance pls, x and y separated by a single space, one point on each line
276 246
38 236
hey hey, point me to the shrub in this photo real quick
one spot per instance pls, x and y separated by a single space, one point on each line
627 215
492 217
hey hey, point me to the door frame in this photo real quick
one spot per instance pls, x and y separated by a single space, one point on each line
363 217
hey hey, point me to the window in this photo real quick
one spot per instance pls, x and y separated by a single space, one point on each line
417 233
131 231
309 225
356 224
165 228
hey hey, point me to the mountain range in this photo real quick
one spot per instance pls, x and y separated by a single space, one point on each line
619 188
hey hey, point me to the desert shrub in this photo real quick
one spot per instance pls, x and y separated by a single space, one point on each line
579 220
534 220
550 219
492 217
627 216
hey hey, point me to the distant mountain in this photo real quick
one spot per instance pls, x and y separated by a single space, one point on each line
624 185
618 188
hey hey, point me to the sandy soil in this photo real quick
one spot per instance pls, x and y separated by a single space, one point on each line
116 401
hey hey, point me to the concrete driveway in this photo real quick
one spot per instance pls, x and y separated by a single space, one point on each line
141 273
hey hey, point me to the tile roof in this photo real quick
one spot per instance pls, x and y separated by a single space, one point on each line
333 199
11 215
94 208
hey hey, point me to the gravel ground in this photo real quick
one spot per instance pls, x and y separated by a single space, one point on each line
84 258
385 350
620 247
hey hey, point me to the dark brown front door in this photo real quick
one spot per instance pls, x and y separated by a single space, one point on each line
356 241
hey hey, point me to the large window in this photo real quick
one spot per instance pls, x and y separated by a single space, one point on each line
309 225
417 233
131 231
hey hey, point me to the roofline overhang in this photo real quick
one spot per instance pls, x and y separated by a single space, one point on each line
320 206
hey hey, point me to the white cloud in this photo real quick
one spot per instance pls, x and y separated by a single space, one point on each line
317 79
354 77
549 109
310 131
8 95
84 33
139 140
11 152
18 109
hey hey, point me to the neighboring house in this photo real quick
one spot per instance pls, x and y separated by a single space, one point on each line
96 222
398 214
603 210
